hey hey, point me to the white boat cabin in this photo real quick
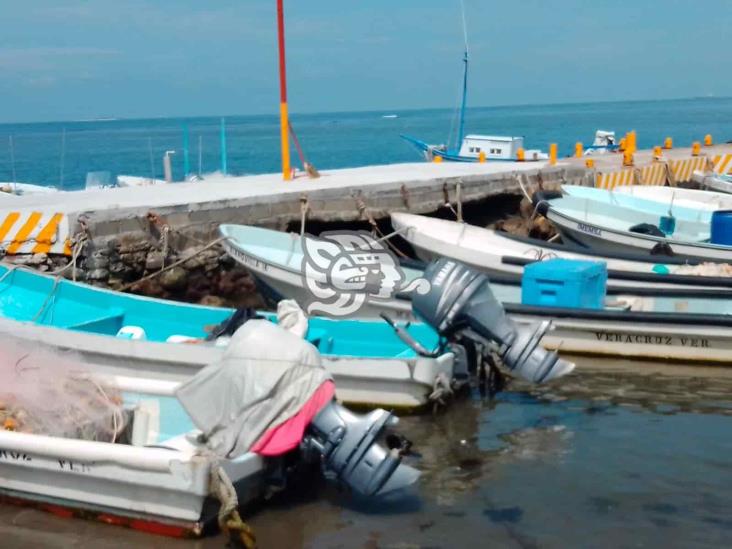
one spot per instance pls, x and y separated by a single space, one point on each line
495 147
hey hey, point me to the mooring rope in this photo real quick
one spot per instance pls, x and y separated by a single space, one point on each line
229 519
150 276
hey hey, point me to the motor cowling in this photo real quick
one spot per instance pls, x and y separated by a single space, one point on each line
460 301
349 450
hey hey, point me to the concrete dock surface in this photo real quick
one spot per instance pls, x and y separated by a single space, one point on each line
269 201
342 195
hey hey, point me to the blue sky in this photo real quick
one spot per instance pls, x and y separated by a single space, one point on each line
134 58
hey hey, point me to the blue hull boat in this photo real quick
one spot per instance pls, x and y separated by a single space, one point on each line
133 335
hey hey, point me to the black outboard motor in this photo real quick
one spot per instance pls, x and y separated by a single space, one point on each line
460 301
348 448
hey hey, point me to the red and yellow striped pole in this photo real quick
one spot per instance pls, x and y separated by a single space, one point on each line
284 123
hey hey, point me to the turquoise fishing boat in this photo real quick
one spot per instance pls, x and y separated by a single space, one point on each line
133 335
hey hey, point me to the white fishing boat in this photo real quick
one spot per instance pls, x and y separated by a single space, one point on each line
16 188
714 181
160 484
137 181
605 228
156 456
643 322
503 254
678 196
646 205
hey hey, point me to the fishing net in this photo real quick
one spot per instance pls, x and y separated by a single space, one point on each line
49 393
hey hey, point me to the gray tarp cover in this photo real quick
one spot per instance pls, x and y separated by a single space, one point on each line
265 376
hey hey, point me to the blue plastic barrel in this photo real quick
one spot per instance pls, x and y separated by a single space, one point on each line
722 227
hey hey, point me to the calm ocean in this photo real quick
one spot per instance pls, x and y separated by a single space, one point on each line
332 140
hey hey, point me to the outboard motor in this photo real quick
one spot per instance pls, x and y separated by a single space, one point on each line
460 301
349 450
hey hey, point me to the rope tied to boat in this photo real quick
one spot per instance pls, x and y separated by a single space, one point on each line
150 276
405 195
442 391
304 209
229 519
364 212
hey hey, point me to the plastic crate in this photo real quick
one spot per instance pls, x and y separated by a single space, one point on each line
565 283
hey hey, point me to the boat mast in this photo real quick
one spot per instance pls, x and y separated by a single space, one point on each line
284 123
461 126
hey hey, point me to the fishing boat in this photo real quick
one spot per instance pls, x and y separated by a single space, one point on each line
16 188
137 181
644 204
642 322
161 486
473 147
604 143
156 456
503 254
132 335
606 228
678 196
713 181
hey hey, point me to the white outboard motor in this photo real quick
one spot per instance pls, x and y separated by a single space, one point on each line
460 301
348 447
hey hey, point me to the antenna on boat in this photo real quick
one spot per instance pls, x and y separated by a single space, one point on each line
464 94
461 126
11 145
63 158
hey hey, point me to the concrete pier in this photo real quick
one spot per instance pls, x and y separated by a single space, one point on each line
197 208
132 233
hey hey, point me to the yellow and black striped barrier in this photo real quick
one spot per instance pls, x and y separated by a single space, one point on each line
658 172
33 232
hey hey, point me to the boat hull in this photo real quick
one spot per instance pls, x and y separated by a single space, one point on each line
381 382
633 335
163 488
603 239
503 255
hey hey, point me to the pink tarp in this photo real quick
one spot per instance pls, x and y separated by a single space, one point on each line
287 435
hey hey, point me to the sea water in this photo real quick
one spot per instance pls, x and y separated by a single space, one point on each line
62 153
617 454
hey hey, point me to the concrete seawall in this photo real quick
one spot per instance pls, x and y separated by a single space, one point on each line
197 208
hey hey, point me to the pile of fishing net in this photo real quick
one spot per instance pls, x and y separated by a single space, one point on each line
705 269
49 393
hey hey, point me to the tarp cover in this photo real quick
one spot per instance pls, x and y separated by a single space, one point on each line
265 376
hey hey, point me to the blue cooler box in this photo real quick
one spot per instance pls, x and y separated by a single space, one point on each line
565 283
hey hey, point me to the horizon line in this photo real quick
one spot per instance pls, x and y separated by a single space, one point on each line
388 111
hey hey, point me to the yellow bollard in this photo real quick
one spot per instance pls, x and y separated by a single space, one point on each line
708 140
632 145
695 148
552 154
622 144
657 153
520 155
578 149
668 143
590 163
481 157
437 159
627 158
